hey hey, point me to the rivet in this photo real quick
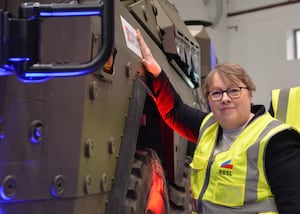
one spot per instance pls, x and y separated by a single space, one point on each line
145 13
128 69
88 184
111 145
37 131
94 90
89 148
104 182
8 187
58 186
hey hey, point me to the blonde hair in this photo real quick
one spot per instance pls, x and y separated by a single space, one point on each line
232 72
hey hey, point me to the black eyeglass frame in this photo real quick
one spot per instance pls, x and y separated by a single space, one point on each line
227 92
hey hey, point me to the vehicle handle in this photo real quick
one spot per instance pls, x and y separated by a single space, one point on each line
34 71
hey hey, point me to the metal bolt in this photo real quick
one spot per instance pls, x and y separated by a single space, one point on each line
111 145
88 184
36 131
154 9
94 90
104 182
89 148
58 186
145 12
128 69
8 188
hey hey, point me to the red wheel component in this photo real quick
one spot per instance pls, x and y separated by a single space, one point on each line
156 203
147 192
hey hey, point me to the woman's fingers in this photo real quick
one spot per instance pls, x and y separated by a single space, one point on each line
146 53
148 60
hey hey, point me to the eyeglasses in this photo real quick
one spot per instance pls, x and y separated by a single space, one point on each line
233 93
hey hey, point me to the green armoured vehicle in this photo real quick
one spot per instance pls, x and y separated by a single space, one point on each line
79 130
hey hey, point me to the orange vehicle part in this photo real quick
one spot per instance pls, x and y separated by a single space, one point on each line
157 193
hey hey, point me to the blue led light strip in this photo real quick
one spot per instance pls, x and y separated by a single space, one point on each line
54 74
18 59
70 13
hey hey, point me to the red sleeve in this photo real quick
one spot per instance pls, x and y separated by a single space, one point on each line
182 118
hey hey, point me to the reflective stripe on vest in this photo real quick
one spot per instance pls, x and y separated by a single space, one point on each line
285 103
234 180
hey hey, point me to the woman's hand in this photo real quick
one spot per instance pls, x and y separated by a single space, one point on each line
148 60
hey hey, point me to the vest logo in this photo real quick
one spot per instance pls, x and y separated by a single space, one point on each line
225 166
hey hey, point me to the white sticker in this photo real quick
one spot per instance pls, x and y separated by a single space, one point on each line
130 37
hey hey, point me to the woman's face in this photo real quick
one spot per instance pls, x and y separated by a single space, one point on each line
230 113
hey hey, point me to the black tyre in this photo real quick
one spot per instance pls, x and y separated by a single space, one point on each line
179 192
174 198
147 185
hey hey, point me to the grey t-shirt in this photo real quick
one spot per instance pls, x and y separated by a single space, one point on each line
228 137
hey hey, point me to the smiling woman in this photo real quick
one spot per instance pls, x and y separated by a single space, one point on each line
236 142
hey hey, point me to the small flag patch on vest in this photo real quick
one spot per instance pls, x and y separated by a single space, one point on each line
227 165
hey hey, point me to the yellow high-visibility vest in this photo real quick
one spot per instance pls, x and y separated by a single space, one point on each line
234 180
286 104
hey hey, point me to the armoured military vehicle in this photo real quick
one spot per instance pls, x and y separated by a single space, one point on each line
79 130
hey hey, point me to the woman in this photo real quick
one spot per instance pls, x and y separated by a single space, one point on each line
245 160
